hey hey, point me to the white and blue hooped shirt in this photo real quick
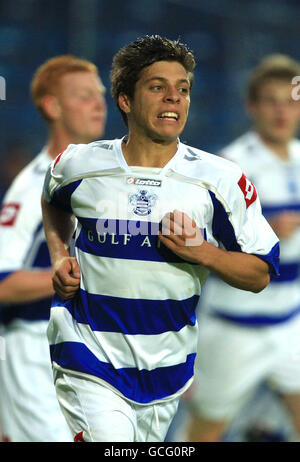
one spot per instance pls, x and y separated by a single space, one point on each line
132 325
22 242
277 182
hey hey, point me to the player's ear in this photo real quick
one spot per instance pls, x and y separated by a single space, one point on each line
124 103
51 107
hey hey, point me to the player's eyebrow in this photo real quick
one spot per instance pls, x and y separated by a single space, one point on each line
163 79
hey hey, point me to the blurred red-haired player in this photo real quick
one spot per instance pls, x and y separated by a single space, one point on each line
69 94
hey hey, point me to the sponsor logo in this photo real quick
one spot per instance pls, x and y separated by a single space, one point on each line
142 202
79 438
143 181
9 213
193 156
248 189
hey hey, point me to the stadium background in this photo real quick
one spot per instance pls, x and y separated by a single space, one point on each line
228 38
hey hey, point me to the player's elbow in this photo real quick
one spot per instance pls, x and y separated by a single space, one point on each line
261 283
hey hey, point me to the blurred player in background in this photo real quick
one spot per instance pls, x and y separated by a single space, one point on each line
123 331
69 94
247 338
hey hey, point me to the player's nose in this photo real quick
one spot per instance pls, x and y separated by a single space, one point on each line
172 95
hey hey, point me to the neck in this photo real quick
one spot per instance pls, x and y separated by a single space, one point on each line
279 148
59 140
147 152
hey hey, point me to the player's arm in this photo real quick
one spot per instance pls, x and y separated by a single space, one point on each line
59 227
26 286
19 284
241 270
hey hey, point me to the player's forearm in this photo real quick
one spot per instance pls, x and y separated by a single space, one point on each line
59 228
26 286
240 270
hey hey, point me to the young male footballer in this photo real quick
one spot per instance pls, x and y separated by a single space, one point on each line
250 338
152 217
70 97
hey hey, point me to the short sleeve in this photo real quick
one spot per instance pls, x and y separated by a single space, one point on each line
57 173
239 225
20 218
60 182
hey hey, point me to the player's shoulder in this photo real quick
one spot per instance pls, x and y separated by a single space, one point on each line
295 148
30 179
244 147
249 153
220 176
80 160
207 167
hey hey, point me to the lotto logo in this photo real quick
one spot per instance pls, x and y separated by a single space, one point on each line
142 181
248 189
130 180
9 213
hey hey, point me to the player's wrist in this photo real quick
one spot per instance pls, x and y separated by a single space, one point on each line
207 255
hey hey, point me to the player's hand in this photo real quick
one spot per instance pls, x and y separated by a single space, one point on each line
66 277
181 235
285 224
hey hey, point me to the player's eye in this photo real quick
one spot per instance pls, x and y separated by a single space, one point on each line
156 87
184 90
85 96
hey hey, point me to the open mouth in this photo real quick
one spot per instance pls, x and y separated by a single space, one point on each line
173 116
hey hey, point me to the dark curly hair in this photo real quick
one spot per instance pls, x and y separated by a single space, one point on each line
129 61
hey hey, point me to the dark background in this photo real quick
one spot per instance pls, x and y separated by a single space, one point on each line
228 38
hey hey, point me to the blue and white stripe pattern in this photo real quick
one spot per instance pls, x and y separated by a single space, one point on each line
278 185
22 244
133 323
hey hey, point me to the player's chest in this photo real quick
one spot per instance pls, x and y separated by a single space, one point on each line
140 197
278 183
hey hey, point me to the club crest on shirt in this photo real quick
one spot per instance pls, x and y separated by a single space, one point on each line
142 202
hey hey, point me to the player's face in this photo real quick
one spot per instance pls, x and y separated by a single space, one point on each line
82 106
276 114
160 105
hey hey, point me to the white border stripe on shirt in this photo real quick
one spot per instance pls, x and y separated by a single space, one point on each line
137 351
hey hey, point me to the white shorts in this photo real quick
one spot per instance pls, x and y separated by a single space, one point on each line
29 409
96 413
232 360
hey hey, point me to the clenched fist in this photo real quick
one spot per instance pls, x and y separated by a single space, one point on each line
66 277
181 235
